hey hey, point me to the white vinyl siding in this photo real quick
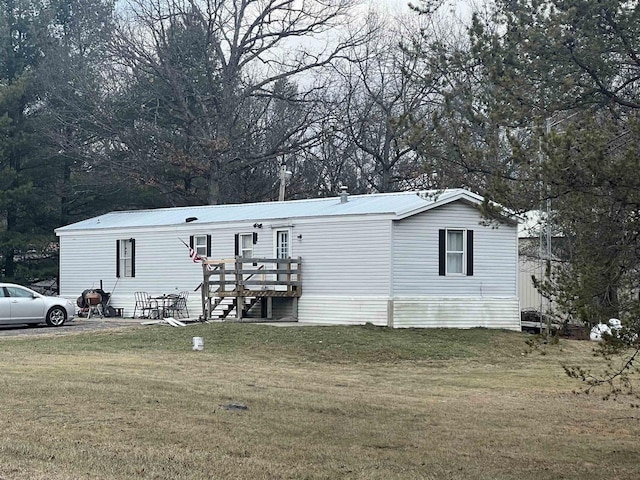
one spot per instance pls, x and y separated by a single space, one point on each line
172 271
348 258
530 266
416 262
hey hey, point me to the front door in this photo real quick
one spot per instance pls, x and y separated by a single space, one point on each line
283 250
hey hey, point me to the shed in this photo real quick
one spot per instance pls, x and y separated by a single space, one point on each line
410 259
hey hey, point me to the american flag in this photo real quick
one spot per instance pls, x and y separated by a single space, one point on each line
192 253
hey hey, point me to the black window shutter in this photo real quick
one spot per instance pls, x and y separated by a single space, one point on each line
236 246
469 252
255 240
117 258
208 245
191 242
442 252
133 257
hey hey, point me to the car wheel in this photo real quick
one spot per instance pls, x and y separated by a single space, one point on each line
56 317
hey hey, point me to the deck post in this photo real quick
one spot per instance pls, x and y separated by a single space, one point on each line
239 288
204 293
222 286
269 308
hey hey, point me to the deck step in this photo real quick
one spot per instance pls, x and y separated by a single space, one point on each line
227 307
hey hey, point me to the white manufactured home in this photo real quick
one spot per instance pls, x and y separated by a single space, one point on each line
411 259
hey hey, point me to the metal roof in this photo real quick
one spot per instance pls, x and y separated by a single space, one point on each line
400 205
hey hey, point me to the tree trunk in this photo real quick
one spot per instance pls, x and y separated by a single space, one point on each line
9 262
213 196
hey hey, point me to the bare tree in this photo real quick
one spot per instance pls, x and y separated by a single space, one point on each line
329 164
383 104
233 82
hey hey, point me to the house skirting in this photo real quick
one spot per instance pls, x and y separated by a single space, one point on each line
455 312
339 310
411 312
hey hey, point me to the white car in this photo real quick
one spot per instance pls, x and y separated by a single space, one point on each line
20 305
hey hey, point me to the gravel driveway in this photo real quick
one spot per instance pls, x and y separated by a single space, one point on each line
75 326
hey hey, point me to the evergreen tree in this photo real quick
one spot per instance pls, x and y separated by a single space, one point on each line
50 87
567 73
22 204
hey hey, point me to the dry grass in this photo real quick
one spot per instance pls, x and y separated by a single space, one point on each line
323 403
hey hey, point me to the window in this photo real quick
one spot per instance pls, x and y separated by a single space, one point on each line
19 292
126 258
200 244
455 252
245 245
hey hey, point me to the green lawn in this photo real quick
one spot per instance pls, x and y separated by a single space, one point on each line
322 403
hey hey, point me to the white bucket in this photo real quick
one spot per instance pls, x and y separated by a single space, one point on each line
198 343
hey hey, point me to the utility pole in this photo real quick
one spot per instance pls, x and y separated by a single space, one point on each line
284 174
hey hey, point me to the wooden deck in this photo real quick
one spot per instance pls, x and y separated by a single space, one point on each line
248 281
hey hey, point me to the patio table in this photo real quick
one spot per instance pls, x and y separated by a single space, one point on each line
164 302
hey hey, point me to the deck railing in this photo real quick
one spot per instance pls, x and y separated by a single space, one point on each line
243 277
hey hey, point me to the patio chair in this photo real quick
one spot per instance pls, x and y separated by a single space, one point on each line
145 305
179 307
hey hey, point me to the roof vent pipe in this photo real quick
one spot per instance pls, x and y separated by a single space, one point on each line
344 195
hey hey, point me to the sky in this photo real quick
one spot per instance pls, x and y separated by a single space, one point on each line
399 5
461 7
